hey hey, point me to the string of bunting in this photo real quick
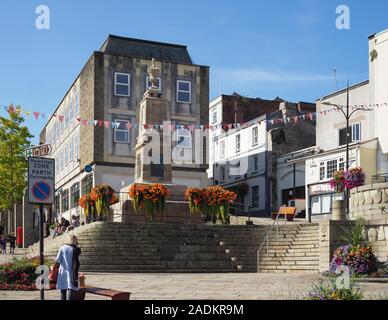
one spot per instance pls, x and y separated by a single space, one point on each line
112 124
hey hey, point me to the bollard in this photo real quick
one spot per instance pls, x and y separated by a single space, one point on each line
339 210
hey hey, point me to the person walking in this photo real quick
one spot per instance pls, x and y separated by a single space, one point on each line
3 243
67 261
12 243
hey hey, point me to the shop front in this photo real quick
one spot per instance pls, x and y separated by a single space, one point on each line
320 199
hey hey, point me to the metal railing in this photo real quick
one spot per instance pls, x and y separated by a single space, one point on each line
380 178
266 239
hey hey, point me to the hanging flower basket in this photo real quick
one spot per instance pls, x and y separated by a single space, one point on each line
87 204
150 197
354 178
338 181
195 198
104 196
350 179
212 202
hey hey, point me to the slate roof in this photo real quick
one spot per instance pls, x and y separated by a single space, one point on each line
145 49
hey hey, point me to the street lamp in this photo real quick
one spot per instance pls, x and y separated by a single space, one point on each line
347 114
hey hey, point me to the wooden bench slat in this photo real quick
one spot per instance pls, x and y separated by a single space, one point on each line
114 294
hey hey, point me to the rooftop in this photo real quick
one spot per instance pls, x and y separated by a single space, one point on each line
146 49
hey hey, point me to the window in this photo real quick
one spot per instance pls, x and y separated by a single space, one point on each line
54 133
66 154
214 117
122 84
61 160
255 196
222 149
238 142
222 173
148 83
62 124
56 165
183 138
65 200
76 104
354 134
256 163
57 205
58 129
322 171
71 110
121 131
71 156
67 116
183 91
74 195
76 146
255 136
341 165
331 167
87 184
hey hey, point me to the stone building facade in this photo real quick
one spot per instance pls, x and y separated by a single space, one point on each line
109 88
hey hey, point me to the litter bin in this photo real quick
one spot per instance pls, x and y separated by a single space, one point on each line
19 237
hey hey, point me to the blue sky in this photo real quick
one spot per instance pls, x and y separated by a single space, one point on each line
257 48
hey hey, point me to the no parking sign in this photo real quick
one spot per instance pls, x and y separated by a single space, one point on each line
41 180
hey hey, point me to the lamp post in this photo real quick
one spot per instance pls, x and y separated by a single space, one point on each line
347 114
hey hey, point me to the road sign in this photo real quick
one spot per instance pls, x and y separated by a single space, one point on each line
39 151
88 168
41 184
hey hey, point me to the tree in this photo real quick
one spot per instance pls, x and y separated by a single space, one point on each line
14 139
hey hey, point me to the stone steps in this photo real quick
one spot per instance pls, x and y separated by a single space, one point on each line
291 249
114 247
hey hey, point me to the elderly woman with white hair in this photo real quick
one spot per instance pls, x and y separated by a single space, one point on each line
67 261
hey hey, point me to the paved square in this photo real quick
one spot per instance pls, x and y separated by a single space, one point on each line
231 286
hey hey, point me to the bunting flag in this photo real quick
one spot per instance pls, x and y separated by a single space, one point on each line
229 126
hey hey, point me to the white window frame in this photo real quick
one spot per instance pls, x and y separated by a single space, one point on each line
255 136
358 124
186 134
76 146
67 115
238 143
255 163
122 84
71 149
222 149
71 111
76 104
322 165
66 160
121 130
214 117
160 83
177 90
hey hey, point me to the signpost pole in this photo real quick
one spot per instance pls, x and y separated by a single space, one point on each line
41 248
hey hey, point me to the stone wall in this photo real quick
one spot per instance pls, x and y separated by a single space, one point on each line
369 201
330 232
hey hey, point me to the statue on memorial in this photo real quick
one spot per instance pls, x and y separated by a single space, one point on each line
153 72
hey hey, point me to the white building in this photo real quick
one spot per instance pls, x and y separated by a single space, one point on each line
244 158
369 134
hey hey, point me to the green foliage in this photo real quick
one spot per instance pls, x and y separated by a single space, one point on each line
355 235
14 139
329 291
20 274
